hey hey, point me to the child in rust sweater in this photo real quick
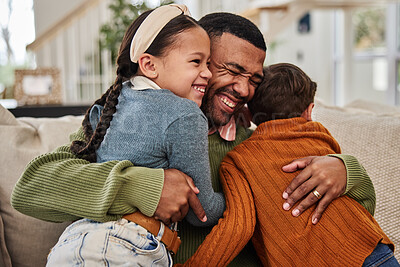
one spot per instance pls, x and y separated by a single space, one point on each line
253 182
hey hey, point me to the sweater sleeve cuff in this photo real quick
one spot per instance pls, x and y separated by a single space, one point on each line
142 189
359 185
352 166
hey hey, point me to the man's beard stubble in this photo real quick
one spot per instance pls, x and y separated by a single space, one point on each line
217 117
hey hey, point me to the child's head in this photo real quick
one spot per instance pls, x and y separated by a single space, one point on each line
285 92
167 46
170 48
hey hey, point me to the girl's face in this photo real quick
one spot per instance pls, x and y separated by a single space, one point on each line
184 68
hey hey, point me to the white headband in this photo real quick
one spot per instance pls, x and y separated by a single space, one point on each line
151 27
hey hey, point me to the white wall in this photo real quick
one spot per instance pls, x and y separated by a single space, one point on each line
310 51
48 12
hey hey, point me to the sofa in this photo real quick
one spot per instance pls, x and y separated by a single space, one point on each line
366 130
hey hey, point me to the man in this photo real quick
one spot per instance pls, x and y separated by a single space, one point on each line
47 188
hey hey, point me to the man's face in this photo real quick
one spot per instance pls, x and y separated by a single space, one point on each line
237 69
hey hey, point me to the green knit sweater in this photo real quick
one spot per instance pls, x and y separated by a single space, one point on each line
59 187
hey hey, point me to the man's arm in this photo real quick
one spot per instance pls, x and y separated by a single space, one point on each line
332 176
58 186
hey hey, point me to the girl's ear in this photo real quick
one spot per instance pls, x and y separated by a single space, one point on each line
148 65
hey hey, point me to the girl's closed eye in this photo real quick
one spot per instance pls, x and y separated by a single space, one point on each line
197 61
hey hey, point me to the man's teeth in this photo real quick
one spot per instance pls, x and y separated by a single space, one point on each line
229 104
200 89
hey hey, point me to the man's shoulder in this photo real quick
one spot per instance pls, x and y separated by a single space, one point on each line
243 133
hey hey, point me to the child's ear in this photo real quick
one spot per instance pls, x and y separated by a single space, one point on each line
148 65
307 113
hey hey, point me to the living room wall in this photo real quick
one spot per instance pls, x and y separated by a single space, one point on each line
48 12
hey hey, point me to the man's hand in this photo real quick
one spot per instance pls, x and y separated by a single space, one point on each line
325 174
178 193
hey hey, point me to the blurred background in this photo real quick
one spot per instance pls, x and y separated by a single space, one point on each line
350 48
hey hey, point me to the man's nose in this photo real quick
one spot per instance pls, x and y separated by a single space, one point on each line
242 85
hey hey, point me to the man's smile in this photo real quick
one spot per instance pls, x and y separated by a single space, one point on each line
227 101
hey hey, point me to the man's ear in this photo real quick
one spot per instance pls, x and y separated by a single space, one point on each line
148 65
307 113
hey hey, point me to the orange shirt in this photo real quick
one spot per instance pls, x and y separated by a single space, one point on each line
253 183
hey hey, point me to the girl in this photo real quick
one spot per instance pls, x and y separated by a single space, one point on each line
138 121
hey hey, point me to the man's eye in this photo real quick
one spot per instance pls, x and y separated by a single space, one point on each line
255 83
233 72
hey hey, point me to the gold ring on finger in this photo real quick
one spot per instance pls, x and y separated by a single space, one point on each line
317 194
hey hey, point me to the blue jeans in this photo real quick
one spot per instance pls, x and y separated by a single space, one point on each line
381 256
116 243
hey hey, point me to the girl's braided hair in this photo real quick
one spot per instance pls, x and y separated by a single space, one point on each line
125 70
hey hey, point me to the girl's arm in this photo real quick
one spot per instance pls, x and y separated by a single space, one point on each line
186 142
58 187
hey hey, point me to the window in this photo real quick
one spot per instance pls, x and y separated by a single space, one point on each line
367 56
369 26
398 84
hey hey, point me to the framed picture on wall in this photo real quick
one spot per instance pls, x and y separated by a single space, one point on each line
40 86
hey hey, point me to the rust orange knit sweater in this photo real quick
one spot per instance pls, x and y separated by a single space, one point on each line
253 182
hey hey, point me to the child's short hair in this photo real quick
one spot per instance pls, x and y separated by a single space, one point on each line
285 92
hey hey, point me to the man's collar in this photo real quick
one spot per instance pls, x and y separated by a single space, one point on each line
227 131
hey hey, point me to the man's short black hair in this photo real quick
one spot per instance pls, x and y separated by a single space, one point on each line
218 23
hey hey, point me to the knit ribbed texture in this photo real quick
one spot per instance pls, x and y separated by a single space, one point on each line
345 235
192 237
52 170
51 188
359 184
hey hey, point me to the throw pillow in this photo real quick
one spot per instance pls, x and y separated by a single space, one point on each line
28 240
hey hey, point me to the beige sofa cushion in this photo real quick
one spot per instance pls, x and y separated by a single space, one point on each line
5 259
371 133
27 240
